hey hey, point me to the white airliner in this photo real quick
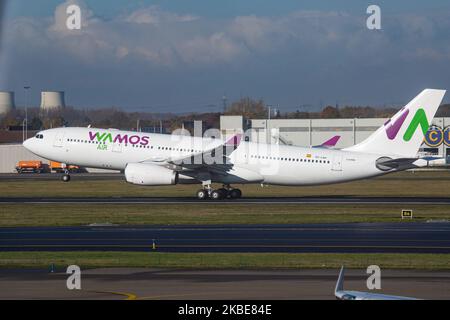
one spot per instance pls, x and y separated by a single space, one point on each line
158 159
342 294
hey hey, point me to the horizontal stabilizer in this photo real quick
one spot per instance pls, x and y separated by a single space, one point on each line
387 164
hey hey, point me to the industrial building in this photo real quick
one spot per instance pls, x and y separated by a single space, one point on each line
311 132
6 102
11 154
51 100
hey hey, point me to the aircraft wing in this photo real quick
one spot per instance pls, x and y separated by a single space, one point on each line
214 160
339 284
342 294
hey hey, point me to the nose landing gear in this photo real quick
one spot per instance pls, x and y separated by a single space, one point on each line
66 176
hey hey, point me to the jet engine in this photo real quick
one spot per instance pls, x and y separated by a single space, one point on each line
150 175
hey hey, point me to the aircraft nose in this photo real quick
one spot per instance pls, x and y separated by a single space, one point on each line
27 144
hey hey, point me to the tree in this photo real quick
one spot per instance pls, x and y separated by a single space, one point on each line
329 112
35 124
12 118
248 108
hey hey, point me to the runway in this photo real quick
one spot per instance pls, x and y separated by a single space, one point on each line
163 284
245 200
408 237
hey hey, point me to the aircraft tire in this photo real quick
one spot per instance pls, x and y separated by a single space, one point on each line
224 192
216 195
235 193
202 194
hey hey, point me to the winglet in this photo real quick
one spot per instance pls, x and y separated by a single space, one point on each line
331 142
340 281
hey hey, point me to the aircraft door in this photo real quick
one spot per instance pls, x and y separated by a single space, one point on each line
59 139
117 147
337 163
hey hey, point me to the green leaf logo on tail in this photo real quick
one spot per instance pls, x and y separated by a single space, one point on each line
420 118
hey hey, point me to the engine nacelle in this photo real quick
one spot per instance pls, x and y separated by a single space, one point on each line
150 175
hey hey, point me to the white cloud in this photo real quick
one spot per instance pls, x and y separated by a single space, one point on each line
217 47
155 16
60 18
154 37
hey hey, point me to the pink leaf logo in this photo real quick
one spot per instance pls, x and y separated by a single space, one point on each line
392 129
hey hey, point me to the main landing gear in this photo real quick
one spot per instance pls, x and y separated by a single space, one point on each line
226 192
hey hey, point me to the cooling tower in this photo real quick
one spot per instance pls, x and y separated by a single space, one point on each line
6 101
51 100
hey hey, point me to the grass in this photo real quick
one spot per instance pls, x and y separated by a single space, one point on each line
14 215
404 184
222 260
407 184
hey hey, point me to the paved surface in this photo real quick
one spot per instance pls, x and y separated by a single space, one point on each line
57 176
154 284
247 200
408 237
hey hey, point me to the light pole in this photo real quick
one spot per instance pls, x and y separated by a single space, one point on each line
26 111
268 134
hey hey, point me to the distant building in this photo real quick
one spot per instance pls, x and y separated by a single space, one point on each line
14 136
231 125
51 100
6 102
311 132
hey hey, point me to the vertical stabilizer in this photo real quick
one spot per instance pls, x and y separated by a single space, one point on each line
403 134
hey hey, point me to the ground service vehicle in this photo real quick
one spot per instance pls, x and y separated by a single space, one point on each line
30 166
58 167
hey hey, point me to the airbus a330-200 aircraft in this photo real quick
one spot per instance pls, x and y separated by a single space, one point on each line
160 159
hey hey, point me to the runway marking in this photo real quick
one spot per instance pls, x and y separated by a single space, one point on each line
129 296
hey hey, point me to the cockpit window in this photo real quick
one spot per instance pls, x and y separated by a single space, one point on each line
39 136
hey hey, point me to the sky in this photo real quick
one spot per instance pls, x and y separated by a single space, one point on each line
185 55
